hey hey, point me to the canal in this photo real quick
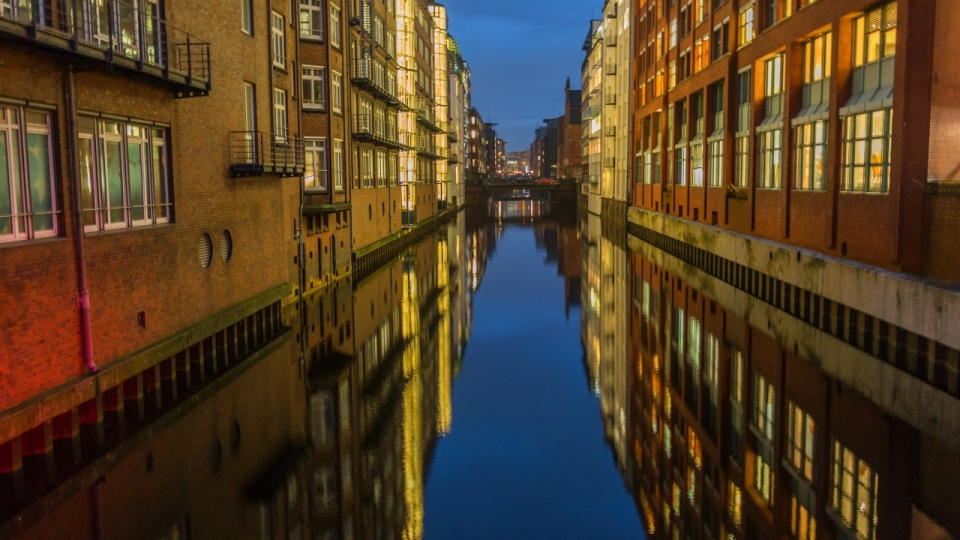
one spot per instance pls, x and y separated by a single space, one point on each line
523 371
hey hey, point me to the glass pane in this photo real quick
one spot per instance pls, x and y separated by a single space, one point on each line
113 181
828 56
85 153
135 172
859 42
41 197
160 195
890 43
6 203
873 46
818 59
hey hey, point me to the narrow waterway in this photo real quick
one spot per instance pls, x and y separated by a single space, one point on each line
526 457
525 371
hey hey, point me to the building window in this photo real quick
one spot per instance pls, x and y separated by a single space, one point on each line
335 33
743 161
771 159
800 440
315 176
736 407
311 19
366 166
338 168
701 53
746 25
696 163
279 43
672 76
314 94
246 16
336 91
866 151
124 174
673 33
715 172
854 494
817 58
875 35
811 155
280 114
28 206
392 178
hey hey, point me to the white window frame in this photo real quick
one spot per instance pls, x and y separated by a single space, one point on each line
153 142
336 92
336 34
311 19
246 17
337 165
278 39
280 126
314 78
381 173
316 160
15 137
366 166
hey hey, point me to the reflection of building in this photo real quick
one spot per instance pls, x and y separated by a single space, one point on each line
614 335
749 424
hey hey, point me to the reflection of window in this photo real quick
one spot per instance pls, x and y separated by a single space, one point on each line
854 493
246 16
764 413
764 406
311 19
735 505
800 440
763 477
325 488
124 174
866 151
315 175
28 206
803 520
715 172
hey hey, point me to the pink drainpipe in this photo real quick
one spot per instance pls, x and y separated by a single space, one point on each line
84 296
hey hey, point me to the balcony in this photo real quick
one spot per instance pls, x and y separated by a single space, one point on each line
113 34
609 131
609 162
426 116
452 137
371 76
427 148
610 98
610 39
367 128
255 153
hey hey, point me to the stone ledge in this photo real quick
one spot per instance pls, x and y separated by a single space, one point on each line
922 306
71 394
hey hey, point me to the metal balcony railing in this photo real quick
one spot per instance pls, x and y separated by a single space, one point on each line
371 76
126 34
426 116
427 147
255 153
368 128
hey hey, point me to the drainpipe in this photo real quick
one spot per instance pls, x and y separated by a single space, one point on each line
301 249
84 295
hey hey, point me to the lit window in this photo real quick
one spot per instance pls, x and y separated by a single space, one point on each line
124 174
854 492
28 206
811 155
673 33
875 35
816 58
746 25
800 440
336 91
866 151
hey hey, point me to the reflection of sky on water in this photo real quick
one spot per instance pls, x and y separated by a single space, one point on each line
526 457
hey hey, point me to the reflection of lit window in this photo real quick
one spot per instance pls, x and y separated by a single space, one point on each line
800 440
854 493
735 505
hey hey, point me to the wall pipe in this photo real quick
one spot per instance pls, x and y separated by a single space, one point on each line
83 300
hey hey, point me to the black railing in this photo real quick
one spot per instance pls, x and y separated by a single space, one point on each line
118 32
367 77
254 153
367 127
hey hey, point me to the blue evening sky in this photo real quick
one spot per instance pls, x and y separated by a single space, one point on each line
520 54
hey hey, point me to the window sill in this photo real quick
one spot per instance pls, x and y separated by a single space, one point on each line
314 108
282 69
311 38
7 244
120 230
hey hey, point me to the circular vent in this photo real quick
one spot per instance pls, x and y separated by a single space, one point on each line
226 246
205 248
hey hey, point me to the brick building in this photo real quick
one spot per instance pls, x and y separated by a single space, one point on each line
476 148
778 120
569 152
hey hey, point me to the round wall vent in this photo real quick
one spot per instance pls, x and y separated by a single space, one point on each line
226 246
205 250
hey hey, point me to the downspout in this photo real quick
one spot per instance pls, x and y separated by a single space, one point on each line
84 295
301 249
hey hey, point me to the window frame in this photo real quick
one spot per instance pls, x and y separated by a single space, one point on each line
15 125
314 147
278 40
339 174
336 26
869 139
246 17
313 11
317 78
336 92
